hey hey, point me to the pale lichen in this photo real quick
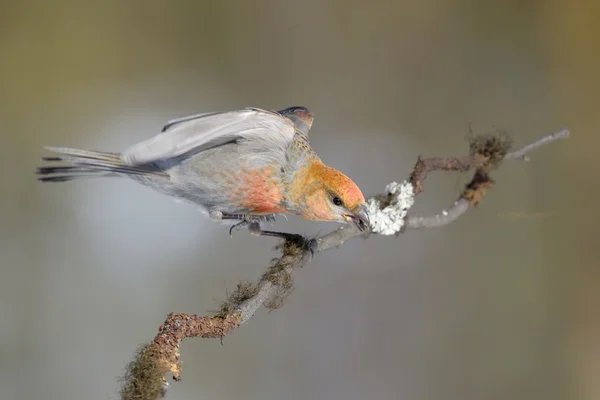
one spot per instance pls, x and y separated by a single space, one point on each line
389 220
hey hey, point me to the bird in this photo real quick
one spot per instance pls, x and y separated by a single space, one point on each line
246 165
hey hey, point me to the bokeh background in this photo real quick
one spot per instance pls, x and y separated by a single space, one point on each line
502 304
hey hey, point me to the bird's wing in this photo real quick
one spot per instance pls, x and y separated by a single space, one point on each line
201 132
301 116
176 121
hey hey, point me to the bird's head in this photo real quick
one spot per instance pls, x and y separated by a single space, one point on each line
329 195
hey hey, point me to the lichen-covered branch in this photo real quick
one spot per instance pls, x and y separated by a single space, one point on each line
145 377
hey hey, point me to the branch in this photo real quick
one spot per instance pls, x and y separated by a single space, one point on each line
145 376
521 153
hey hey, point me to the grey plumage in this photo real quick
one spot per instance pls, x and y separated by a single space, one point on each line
195 134
196 158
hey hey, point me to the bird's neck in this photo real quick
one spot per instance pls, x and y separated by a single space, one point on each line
303 184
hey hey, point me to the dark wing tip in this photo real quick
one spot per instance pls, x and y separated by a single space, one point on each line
301 116
294 109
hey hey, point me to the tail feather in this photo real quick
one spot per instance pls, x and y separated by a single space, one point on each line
90 164
66 178
92 155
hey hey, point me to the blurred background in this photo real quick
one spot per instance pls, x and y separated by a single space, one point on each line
502 304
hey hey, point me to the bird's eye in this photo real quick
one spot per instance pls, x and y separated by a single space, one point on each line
337 201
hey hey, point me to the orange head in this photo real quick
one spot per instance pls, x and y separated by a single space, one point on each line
326 194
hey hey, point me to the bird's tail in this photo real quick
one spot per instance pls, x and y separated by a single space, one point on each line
90 164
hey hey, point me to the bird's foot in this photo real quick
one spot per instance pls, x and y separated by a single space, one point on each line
253 224
246 220
293 238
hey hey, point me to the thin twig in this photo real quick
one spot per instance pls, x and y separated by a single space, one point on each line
440 219
522 152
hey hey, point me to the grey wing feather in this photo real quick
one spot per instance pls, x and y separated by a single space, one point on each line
176 121
202 132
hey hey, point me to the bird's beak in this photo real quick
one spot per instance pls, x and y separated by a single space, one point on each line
360 218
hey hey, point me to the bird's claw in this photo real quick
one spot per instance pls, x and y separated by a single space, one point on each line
252 221
313 246
310 245
237 227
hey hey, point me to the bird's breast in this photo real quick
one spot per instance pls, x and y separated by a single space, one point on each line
259 190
